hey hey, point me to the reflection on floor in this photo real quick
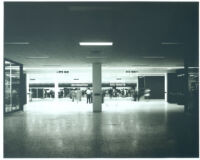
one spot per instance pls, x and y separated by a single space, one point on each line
61 128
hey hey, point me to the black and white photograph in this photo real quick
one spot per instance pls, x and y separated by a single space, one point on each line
100 79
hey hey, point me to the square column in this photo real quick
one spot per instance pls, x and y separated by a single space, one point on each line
96 83
56 89
28 93
166 87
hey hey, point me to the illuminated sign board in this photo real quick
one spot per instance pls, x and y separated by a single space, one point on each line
118 84
79 84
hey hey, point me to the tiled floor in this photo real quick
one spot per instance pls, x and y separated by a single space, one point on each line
61 128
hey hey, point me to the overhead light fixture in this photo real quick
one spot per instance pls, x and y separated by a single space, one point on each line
6 62
139 65
154 57
17 43
95 43
95 57
50 65
37 57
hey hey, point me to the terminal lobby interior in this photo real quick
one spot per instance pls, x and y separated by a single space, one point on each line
101 80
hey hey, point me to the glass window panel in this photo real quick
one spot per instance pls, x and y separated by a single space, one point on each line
40 93
8 98
15 81
34 93
12 86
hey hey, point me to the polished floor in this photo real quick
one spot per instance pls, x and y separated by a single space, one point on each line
61 128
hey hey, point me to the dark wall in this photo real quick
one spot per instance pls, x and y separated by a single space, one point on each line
141 83
172 87
176 87
156 85
23 88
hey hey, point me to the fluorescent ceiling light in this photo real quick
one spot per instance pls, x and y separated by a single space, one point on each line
37 57
17 43
154 57
51 65
95 43
95 57
6 62
139 65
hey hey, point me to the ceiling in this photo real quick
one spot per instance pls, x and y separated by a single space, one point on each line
144 34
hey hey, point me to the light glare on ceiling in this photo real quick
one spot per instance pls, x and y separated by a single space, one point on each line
37 57
17 43
94 57
49 65
95 43
154 57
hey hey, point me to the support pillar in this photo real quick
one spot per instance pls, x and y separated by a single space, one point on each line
96 82
186 88
28 95
187 61
166 87
137 84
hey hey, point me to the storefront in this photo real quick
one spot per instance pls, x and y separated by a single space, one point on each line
47 90
13 86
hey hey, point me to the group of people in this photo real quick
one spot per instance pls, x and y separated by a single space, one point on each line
113 92
49 93
76 94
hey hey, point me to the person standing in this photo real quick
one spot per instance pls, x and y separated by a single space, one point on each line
110 91
79 94
103 95
138 95
73 94
125 93
135 94
76 95
88 94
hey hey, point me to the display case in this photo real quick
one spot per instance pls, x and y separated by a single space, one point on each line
12 86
